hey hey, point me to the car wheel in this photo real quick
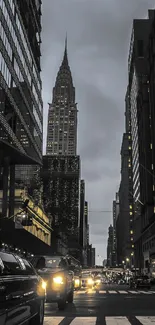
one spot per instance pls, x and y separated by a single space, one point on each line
70 297
39 318
62 304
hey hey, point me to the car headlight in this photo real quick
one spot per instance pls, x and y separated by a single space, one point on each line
77 282
44 284
90 281
58 280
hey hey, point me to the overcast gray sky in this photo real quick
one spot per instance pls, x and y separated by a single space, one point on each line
98 43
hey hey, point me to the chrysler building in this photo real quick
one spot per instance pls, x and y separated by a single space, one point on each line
62 114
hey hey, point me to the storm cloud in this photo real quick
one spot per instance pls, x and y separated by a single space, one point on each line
98 43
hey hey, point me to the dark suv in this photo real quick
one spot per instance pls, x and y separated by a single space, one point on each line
57 272
22 292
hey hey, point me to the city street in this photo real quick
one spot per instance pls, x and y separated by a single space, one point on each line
105 307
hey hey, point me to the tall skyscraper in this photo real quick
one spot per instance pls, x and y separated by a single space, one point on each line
142 121
62 115
110 246
61 165
21 107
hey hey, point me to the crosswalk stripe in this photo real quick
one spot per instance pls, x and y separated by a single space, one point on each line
109 320
146 320
117 320
146 292
90 291
53 320
84 320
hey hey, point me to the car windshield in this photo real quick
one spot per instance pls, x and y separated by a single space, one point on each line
85 275
52 262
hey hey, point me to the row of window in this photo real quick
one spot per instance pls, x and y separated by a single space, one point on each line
6 73
27 50
28 71
18 72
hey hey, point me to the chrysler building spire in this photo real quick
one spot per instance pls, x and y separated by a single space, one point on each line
65 58
62 115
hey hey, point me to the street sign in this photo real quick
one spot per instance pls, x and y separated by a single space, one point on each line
18 221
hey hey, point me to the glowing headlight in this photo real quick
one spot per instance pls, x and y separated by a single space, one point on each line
77 282
90 281
44 284
58 280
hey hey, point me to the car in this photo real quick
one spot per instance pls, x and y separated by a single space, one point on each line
22 291
140 281
58 275
87 280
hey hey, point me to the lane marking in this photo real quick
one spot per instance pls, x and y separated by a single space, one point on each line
102 291
117 321
134 292
146 320
112 291
81 292
84 320
121 291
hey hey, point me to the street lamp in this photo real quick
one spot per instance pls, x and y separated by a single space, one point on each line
123 262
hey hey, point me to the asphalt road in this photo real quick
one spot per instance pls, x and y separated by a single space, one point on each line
111 305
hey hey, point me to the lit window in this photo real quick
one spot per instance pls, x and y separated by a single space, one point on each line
129 148
131 238
131 213
153 188
132 246
154 209
130 207
129 160
132 253
129 137
131 232
152 166
129 165
150 145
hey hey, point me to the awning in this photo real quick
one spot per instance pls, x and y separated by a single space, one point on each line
22 239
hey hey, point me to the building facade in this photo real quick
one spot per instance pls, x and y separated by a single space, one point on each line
61 175
110 246
149 234
138 92
91 256
82 219
62 114
21 107
84 228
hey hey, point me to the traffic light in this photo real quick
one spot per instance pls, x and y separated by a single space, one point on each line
27 220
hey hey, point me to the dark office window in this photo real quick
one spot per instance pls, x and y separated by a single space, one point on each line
140 48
